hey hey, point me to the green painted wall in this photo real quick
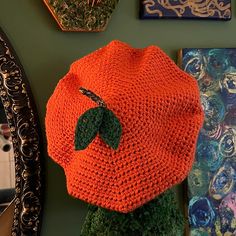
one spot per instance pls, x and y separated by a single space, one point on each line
46 54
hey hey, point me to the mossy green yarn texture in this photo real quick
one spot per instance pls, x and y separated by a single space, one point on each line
159 217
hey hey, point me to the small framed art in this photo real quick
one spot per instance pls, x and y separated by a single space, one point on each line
82 15
185 9
212 181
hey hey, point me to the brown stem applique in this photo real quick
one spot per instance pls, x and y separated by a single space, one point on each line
93 97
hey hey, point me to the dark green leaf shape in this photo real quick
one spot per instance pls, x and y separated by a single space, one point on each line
87 127
159 217
111 129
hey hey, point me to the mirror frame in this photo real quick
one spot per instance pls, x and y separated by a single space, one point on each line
22 118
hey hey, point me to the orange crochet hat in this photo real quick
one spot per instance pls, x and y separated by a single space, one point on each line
157 116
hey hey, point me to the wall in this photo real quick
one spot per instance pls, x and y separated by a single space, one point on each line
46 54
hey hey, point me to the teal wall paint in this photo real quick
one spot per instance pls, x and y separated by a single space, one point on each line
46 54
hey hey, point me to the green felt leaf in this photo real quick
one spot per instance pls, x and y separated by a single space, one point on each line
110 130
87 127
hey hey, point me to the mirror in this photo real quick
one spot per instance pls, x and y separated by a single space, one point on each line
6 220
7 163
20 162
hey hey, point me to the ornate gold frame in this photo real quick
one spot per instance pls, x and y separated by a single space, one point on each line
23 121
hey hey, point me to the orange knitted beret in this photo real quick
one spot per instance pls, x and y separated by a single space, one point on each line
158 107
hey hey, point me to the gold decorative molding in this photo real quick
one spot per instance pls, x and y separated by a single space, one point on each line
22 119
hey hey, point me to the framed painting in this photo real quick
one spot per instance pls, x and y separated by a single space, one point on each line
185 9
82 15
212 181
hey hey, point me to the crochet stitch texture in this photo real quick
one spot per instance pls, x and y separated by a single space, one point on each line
159 109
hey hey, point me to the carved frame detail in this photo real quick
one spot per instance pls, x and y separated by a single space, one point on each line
23 121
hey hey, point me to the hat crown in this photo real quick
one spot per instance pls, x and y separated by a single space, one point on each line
118 71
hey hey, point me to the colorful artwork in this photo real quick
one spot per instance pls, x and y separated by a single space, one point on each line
212 181
82 15
199 9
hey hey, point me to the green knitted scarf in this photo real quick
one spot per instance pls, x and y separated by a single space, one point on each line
159 217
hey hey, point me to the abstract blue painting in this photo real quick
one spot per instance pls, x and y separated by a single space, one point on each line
186 9
212 181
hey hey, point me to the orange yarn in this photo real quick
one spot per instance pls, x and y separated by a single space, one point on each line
159 108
